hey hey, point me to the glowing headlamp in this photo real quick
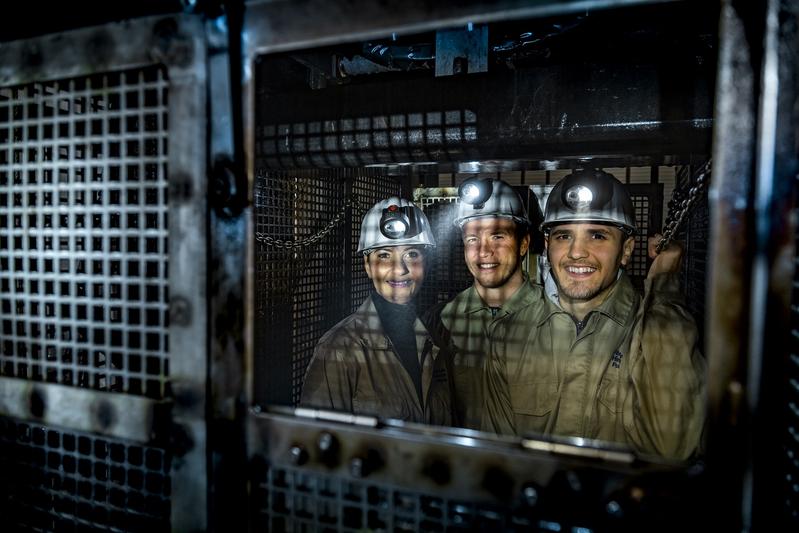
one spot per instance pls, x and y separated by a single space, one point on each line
475 192
579 197
584 192
398 222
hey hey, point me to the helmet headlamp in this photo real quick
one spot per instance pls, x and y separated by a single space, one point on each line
591 196
475 192
582 191
399 222
579 197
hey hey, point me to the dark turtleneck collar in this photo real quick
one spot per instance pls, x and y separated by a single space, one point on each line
403 312
398 323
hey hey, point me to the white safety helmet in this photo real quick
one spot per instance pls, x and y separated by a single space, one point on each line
394 222
590 196
481 198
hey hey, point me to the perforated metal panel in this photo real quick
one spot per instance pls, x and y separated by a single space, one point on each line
639 263
69 481
695 233
83 290
302 291
358 141
430 479
98 127
369 187
291 499
83 232
647 201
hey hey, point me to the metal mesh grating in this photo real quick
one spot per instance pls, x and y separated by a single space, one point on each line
289 499
369 189
297 289
83 232
639 264
695 234
301 292
359 141
449 274
67 481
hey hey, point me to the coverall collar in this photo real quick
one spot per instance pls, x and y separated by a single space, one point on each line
523 296
376 336
617 306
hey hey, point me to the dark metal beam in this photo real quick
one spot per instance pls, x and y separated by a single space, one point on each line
111 414
285 25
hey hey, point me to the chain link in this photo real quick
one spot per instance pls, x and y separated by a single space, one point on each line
321 234
681 204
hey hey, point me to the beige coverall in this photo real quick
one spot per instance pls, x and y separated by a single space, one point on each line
355 369
633 375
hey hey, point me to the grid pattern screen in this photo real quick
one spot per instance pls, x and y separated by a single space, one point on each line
370 187
83 232
67 481
359 141
695 233
302 291
639 262
287 499
449 274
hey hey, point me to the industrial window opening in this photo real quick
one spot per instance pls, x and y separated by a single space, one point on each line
340 128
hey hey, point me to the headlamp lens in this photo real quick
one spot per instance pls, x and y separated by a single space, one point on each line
475 192
579 197
399 222
394 228
470 192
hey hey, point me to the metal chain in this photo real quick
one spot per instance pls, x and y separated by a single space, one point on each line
321 234
681 204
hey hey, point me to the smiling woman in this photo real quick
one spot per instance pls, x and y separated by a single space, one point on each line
397 272
381 360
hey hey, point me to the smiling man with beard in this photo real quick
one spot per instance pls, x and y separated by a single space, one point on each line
601 361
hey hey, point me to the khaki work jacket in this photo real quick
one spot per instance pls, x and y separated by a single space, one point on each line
633 375
355 369
470 329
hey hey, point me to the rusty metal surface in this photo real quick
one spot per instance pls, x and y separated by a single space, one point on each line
227 329
132 418
35 18
188 270
104 48
733 156
772 376
735 297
